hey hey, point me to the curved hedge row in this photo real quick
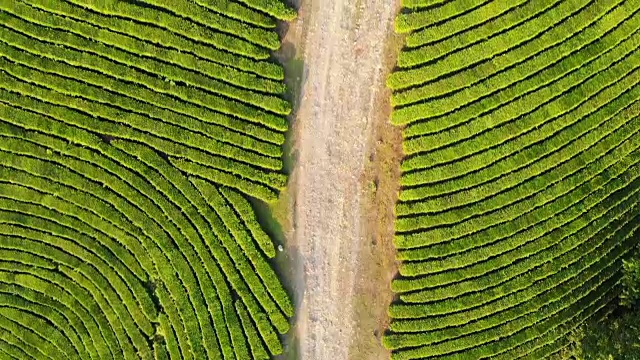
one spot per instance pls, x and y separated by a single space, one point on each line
520 186
131 136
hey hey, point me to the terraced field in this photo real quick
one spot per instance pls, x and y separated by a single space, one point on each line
521 177
132 135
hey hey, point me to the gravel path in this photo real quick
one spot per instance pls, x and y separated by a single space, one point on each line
344 46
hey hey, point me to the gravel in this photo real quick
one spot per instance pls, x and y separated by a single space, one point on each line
344 47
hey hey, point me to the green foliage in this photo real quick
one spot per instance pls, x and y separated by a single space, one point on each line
110 247
221 39
614 334
275 8
244 209
617 337
195 14
147 51
515 155
168 40
631 282
415 20
500 13
123 74
501 43
239 12
519 191
551 65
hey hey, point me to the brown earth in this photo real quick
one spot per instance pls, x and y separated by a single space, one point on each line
344 174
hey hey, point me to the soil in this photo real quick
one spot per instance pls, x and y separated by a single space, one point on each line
377 259
344 164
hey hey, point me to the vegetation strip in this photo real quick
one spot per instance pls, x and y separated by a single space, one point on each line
132 135
519 190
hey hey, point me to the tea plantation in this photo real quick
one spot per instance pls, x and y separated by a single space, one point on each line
521 178
132 136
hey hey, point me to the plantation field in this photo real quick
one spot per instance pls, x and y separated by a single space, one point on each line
132 136
520 184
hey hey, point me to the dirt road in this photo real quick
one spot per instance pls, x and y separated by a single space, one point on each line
344 43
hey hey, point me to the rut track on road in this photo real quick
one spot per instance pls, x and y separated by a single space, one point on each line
344 49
